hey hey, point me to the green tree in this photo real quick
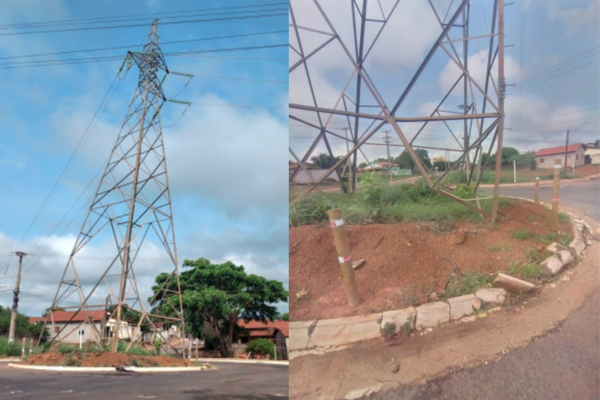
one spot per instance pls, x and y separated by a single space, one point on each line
440 165
285 317
363 165
508 153
261 347
405 161
597 142
324 161
221 294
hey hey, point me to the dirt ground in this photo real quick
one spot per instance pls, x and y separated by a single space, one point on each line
103 360
403 261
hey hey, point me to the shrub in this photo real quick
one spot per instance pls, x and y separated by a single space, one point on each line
260 346
388 331
467 284
9 349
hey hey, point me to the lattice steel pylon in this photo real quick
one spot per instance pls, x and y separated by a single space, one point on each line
481 100
132 205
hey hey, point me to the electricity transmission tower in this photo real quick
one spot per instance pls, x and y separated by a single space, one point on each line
131 208
360 100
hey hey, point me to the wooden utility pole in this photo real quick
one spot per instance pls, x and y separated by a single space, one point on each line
13 315
555 194
341 244
387 141
566 151
537 189
502 90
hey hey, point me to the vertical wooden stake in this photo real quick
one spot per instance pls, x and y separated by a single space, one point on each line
537 188
196 349
557 168
23 350
30 347
341 244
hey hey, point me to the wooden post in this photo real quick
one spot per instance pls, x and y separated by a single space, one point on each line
557 168
537 188
196 349
23 350
30 347
341 244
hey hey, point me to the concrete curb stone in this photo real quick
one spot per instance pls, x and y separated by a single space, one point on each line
491 295
300 334
551 265
399 318
463 305
335 332
432 314
106 369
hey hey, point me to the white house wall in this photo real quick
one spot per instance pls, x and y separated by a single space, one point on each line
303 178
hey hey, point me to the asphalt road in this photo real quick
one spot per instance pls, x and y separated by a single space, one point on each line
563 364
583 196
229 381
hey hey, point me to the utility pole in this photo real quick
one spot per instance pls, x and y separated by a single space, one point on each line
501 95
348 162
387 141
566 151
13 315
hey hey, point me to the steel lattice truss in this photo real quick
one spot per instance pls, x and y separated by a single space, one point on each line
480 116
132 205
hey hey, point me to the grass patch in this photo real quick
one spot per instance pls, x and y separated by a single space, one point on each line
562 176
504 246
388 331
535 256
563 218
530 218
521 234
378 202
408 298
531 271
9 349
467 284
551 237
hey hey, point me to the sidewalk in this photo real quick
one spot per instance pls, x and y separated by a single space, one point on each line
544 182
240 361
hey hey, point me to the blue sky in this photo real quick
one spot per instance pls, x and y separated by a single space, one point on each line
552 59
226 164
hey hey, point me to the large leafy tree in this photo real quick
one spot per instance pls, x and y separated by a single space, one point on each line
405 161
324 161
220 295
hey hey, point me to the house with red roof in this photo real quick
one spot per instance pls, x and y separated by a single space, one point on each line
66 326
545 158
276 331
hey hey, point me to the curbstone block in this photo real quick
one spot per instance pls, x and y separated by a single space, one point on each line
565 257
300 334
512 284
577 246
399 318
463 305
555 247
492 295
551 265
339 331
432 314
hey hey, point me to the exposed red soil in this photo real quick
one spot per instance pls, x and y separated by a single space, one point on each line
587 170
402 259
105 359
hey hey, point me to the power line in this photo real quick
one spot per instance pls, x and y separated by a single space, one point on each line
192 21
147 15
138 45
46 63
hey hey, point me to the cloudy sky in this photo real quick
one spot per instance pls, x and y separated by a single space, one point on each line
551 57
227 164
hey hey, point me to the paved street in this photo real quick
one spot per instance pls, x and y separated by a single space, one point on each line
230 381
583 196
563 364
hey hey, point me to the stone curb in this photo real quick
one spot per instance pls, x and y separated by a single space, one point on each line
543 182
10 359
241 361
107 369
341 331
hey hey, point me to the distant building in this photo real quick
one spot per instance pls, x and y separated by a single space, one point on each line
544 158
312 175
385 167
592 154
67 325
276 331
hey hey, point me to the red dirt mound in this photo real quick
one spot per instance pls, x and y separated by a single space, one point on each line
402 261
77 359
